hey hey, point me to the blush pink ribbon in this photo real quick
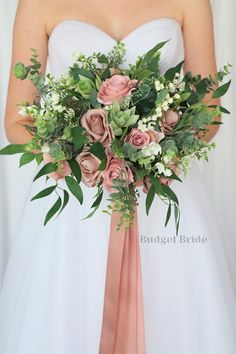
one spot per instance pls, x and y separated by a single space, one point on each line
123 315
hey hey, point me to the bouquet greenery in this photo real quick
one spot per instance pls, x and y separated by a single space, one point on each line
110 127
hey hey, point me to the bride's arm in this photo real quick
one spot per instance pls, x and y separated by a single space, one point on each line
199 44
29 32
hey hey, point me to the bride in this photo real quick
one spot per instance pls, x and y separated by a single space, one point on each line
53 290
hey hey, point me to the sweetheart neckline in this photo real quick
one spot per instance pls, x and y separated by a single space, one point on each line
136 29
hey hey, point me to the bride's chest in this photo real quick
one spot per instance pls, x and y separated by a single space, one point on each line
72 35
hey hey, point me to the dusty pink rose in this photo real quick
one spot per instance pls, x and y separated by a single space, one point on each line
140 139
115 88
61 172
155 136
89 165
95 123
169 120
116 168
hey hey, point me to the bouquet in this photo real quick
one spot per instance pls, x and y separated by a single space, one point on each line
109 127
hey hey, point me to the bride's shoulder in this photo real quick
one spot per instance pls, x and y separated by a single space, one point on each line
196 9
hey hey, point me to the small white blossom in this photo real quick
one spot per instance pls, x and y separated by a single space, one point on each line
160 167
55 98
45 149
177 96
181 86
77 55
165 108
172 87
23 111
167 172
154 148
159 86
158 109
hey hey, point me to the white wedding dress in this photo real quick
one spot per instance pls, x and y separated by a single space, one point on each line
52 296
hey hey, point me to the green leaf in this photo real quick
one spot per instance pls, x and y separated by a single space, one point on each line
157 184
103 165
220 91
91 214
161 96
153 51
106 74
93 99
75 168
102 59
66 198
75 188
97 149
202 88
26 158
44 193
54 209
168 214
177 218
75 72
46 169
39 158
13 149
170 73
222 109
168 191
21 71
215 122
149 198
174 176
78 136
97 200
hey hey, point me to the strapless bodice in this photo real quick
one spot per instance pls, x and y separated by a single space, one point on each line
72 35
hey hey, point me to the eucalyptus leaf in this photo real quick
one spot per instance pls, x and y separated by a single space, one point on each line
168 214
170 194
44 193
66 198
222 109
170 73
75 168
75 188
97 149
149 198
97 200
93 99
221 91
79 137
157 184
177 217
26 158
13 149
46 169
106 74
153 51
54 209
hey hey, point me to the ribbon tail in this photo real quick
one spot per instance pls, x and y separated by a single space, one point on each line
123 315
